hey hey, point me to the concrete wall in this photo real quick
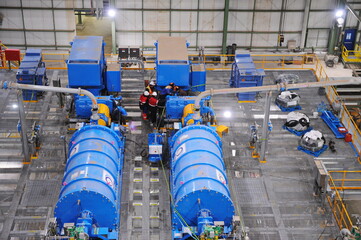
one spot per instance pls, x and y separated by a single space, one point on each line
252 24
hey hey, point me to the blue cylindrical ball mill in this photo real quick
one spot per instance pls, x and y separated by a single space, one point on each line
91 177
199 180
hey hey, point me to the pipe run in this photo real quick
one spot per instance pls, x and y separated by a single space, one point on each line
278 87
79 91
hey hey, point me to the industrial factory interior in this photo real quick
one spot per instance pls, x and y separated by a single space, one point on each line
180 119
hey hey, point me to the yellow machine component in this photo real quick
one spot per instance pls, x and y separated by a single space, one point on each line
104 110
221 129
188 109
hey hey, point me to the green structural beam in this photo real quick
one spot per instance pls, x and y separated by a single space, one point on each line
225 26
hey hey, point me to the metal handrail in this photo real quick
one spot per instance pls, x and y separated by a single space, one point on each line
338 208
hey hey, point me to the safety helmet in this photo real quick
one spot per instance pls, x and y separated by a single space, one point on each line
146 93
154 94
152 83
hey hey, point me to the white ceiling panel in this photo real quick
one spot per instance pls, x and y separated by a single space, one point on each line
129 20
129 4
129 39
12 19
157 4
293 21
158 20
38 19
40 38
64 19
235 4
12 37
210 39
266 21
211 21
184 4
184 21
211 4
241 39
240 21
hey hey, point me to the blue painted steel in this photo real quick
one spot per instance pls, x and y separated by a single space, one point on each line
92 180
288 109
315 154
155 141
349 39
333 123
245 74
198 78
175 105
198 177
114 81
83 105
32 71
86 63
172 70
297 133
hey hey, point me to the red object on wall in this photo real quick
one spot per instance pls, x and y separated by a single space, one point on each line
348 137
12 54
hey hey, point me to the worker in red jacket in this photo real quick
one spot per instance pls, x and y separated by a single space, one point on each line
143 104
153 107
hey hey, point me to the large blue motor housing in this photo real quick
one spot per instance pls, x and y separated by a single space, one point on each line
198 180
92 182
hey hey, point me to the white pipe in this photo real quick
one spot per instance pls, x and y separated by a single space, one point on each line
278 87
79 91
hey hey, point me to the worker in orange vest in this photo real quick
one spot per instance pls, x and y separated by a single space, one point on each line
143 104
153 107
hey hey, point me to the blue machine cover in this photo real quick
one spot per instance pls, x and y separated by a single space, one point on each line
92 175
199 179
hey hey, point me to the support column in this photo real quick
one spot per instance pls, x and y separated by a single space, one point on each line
265 132
306 16
114 42
225 26
24 136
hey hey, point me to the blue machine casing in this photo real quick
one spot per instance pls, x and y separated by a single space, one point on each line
86 64
92 179
333 123
83 105
175 105
245 74
31 71
198 178
172 64
198 77
114 80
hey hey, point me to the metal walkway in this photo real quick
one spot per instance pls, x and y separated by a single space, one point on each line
28 192
276 198
145 213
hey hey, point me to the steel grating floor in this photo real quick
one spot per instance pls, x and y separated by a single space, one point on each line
276 198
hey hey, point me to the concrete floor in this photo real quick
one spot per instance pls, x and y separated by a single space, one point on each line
276 198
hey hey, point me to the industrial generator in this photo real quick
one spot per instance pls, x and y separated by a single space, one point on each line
87 69
201 202
89 200
32 71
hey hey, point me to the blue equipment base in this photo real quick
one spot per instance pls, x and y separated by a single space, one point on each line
297 133
333 123
316 154
289 109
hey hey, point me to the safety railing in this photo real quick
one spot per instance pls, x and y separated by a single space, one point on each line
345 115
351 55
345 180
338 207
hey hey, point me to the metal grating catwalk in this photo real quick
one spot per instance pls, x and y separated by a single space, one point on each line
275 198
